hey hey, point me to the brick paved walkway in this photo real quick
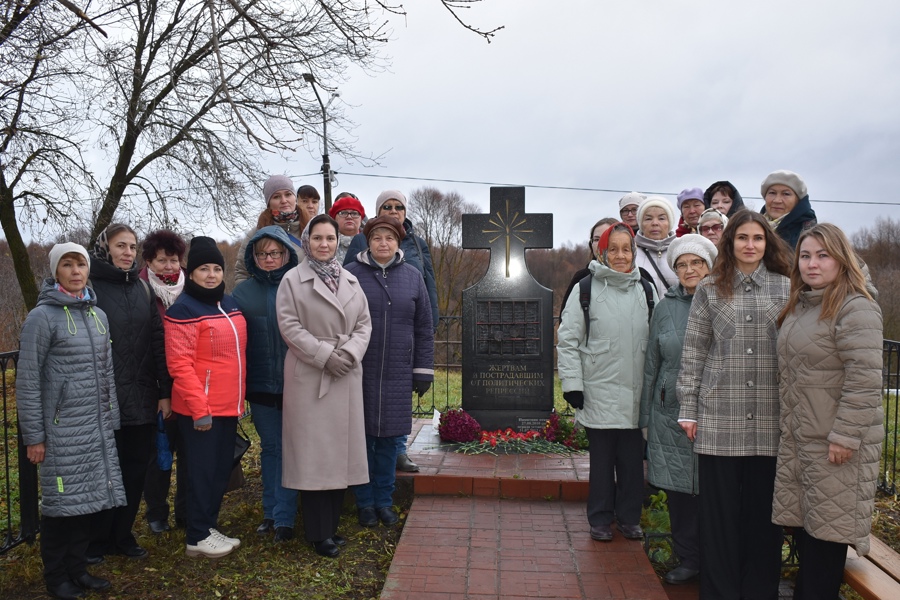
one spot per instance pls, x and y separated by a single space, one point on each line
509 527
481 548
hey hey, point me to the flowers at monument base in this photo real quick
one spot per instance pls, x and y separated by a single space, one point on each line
558 436
458 426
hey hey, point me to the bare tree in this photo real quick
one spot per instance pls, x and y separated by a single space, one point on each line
183 100
438 218
879 247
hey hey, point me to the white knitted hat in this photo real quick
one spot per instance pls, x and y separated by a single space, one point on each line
60 250
658 202
692 243
631 198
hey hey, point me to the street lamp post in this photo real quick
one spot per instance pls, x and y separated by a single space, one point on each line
326 163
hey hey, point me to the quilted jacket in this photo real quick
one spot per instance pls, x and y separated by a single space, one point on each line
66 399
138 341
256 298
206 349
609 369
830 380
672 464
415 253
728 381
401 348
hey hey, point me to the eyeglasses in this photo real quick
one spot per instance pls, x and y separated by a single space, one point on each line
390 207
628 211
704 229
348 214
276 254
695 265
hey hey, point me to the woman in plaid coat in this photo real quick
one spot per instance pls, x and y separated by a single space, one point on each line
728 391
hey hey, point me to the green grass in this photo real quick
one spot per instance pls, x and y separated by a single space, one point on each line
446 393
258 569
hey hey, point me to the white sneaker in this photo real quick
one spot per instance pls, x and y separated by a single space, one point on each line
211 547
224 538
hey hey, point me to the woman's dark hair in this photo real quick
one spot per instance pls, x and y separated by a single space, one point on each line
604 221
114 229
307 191
777 256
323 218
346 195
162 240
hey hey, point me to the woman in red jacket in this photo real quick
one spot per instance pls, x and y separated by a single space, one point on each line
206 341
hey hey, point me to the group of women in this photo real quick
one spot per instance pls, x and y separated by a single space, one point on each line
756 382
327 357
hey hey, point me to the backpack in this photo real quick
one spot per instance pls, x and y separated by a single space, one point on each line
584 297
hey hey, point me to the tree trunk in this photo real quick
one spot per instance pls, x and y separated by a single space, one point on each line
17 249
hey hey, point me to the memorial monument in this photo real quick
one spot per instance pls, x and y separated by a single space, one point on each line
507 358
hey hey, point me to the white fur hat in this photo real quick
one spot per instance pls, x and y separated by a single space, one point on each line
60 250
658 202
692 243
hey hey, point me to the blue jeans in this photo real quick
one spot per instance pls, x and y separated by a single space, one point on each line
401 444
279 503
382 455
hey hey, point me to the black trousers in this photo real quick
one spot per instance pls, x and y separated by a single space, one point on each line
111 529
64 542
821 567
616 486
157 483
321 513
684 517
209 456
740 547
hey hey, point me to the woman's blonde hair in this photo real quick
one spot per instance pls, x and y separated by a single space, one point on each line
850 278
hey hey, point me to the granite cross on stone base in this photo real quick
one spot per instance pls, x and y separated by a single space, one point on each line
508 319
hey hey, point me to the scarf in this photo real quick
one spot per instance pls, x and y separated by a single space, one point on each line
329 271
285 217
165 291
84 295
101 250
203 294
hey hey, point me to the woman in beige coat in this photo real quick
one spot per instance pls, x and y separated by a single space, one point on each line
830 360
324 319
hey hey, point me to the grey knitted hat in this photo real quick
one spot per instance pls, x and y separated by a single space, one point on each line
276 183
788 178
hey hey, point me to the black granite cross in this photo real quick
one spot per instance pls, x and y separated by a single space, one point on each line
507 231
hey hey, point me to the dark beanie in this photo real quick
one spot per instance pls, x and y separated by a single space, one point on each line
204 251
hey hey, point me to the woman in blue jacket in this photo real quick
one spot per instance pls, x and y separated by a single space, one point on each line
269 255
400 358
392 203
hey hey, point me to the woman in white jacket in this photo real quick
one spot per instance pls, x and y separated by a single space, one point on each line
602 374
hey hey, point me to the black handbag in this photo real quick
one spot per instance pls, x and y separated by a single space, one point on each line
241 445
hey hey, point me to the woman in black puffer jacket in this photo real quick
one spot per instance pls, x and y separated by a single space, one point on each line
143 386
400 358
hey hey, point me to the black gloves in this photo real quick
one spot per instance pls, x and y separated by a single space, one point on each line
420 387
575 399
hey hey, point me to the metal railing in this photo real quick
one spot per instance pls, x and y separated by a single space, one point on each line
19 504
887 474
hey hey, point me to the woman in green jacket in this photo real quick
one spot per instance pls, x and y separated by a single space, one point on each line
672 462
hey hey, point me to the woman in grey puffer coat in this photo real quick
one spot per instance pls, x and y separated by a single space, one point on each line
66 400
672 462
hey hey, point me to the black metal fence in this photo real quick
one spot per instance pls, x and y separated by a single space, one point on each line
19 501
19 514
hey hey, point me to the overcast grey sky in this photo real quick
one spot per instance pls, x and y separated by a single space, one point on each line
649 95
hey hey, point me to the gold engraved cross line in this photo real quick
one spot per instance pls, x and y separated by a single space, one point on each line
508 227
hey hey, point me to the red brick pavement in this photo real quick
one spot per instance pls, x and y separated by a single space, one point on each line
509 527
